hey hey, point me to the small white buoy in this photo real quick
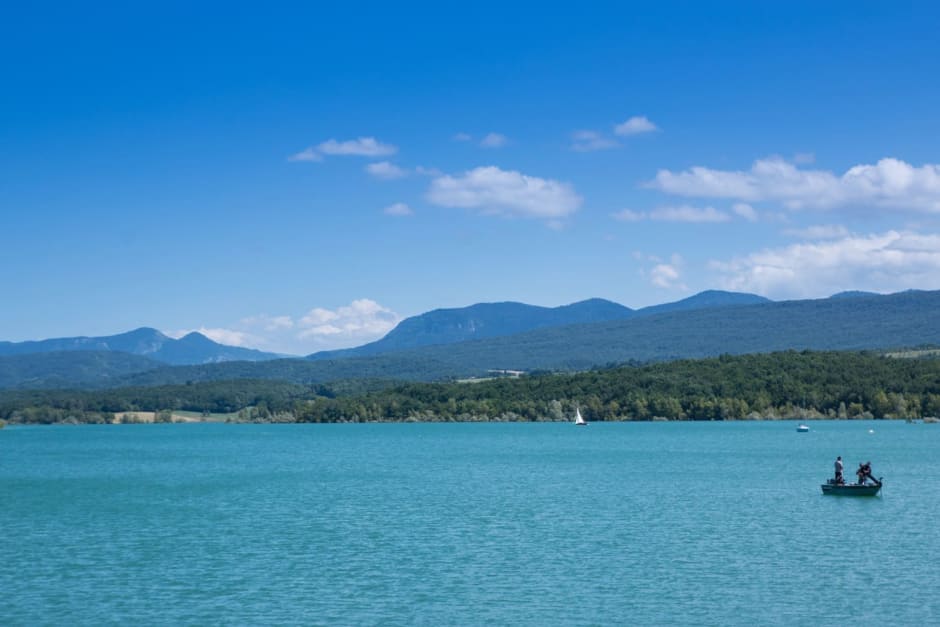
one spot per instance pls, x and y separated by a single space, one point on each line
871 430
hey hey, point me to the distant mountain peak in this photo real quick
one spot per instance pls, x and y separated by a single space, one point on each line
191 349
145 331
854 294
490 320
706 300
483 320
196 336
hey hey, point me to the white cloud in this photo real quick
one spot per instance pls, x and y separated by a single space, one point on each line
634 126
493 140
307 154
886 262
821 231
361 321
268 323
628 215
490 140
745 211
804 158
683 213
362 147
386 170
589 141
423 171
890 183
665 275
318 316
357 323
501 192
686 213
398 209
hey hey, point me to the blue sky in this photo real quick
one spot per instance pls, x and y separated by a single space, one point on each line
295 178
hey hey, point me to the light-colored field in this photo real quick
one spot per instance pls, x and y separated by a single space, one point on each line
913 354
195 416
133 417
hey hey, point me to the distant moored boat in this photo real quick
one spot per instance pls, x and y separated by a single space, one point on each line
802 428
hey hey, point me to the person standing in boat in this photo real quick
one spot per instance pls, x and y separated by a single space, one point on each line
838 464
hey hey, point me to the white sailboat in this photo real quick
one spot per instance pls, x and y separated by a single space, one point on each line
579 421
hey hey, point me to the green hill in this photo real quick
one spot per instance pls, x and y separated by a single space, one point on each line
70 369
788 384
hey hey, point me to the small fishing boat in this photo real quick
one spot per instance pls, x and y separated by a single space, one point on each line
802 428
579 420
852 489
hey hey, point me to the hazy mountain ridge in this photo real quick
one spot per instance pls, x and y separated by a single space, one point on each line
706 299
482 320
440 326
488 320
190 349
907 319
142 341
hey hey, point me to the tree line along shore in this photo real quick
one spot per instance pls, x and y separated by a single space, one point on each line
805 385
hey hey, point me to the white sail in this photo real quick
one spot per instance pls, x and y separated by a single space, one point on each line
578 419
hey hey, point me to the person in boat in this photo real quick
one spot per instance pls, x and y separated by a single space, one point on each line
838 464
864 473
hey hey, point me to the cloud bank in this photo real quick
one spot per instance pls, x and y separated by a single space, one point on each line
360 147
683 213
386 170
493 140
885 262
636 125
890 184
361 321
493 191
591 141
398 209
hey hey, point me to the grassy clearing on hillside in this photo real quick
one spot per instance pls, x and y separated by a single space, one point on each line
147 417
914 354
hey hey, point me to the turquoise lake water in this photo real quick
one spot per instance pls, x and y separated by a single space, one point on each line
466 524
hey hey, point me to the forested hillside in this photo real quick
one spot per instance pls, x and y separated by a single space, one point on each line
483 320
788 384
88 369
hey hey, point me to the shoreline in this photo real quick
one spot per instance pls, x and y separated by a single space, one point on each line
149 418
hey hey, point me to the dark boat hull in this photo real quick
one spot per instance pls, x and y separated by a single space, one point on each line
851 489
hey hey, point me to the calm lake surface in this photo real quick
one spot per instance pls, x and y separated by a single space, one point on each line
439 524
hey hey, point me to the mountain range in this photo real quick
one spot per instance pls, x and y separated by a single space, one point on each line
193 348
487 320
471 341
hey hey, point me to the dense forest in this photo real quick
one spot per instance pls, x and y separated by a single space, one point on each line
777 385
